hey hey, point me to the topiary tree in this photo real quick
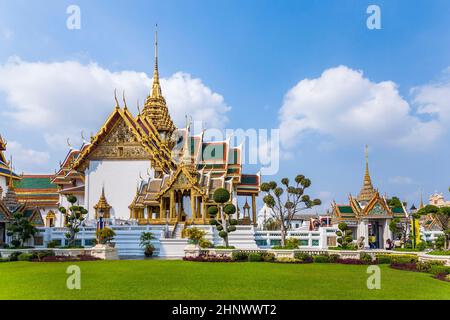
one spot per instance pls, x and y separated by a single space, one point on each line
20 229
442 217
221 215
399 229
344 235
288 200
74 218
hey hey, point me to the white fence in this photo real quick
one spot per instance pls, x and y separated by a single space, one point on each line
126 239
308 239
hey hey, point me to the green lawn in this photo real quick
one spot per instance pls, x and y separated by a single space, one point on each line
164 279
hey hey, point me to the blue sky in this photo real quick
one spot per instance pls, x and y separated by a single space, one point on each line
252 53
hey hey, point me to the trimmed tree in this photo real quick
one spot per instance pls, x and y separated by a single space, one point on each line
442 217
74 218
288 200
20 229
399 229
221 215
344 235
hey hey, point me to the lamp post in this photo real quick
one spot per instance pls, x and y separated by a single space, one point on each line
101 213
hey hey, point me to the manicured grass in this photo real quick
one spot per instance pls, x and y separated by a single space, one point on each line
163 279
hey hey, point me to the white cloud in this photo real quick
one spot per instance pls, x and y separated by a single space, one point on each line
27 159
343 105
62 98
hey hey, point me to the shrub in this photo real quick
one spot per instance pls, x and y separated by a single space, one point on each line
105 235
303 257
255 257
334 258
421 246
268 256
384 259
351 261
439 253
240 256
404 258
225 247
439 269
52 244
322 258
14 255
425 266
203 243
367 258
25 257
292 243
287 260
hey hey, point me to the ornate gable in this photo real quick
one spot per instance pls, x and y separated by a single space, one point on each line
377 206
182 179
119 143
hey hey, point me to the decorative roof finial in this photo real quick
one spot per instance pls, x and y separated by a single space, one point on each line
124 100
68 143
115 98
138 108
82 137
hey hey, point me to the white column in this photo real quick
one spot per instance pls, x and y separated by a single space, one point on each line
387 234
363 231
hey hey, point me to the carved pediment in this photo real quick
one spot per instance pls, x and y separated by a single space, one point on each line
378 210
119 143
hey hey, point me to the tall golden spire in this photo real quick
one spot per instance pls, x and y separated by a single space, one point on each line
155 108
156 87
367 190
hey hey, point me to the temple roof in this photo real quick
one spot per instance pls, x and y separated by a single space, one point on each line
37 190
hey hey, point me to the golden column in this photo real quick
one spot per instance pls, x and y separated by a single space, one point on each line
253 209
172 205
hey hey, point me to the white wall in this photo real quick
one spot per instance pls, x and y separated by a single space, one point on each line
120 179
3 184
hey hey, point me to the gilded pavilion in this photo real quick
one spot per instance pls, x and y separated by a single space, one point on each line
369 213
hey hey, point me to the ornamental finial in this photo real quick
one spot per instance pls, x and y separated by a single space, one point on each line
124 100
115 98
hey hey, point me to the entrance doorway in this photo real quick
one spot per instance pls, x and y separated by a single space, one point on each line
376 240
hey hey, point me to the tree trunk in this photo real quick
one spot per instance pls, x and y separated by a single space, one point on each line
224 225
283 235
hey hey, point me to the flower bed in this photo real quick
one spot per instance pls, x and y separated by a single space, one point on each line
67 258
209 258
409 266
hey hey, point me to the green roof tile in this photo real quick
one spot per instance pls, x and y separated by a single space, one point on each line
35 183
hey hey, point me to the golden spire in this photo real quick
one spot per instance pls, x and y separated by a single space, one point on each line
155 108
367 190
102 205
156 87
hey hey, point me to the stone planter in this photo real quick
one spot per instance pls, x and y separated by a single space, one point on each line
104 252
